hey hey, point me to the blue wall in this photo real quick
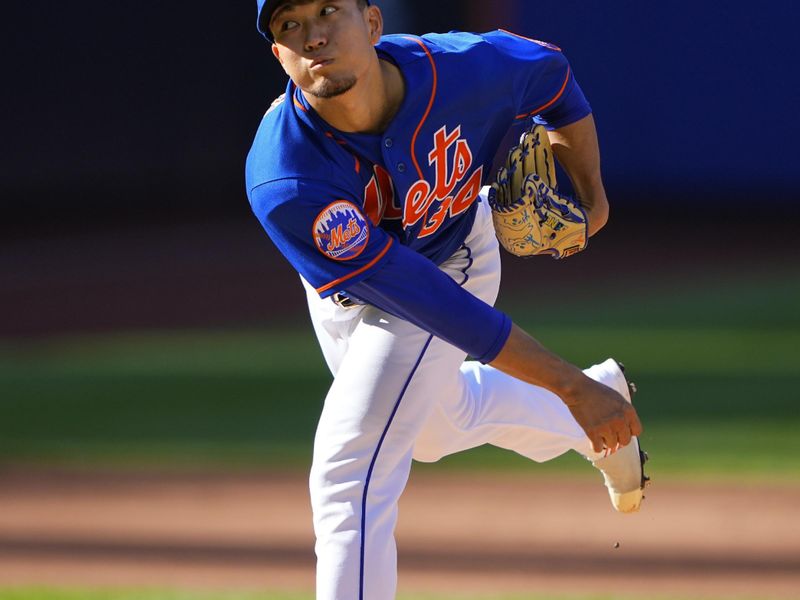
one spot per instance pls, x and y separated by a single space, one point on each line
113 113
703 94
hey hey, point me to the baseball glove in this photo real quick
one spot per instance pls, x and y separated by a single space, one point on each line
530 216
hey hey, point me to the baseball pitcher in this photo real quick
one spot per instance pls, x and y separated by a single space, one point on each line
371 175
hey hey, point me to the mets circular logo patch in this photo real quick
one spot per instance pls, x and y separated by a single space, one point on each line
341 231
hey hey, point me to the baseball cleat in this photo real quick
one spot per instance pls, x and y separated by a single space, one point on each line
623 470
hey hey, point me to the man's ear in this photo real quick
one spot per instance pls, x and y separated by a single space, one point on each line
276 52
375 21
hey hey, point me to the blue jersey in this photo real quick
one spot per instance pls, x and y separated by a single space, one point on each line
355 212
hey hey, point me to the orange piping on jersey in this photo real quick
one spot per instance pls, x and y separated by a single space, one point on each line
298 105
536 111
340 142
427 110
343 143
546 45
294 99
371 263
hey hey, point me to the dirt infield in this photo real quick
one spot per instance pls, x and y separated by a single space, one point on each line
457 533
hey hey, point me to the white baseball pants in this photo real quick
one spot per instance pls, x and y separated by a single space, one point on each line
398 393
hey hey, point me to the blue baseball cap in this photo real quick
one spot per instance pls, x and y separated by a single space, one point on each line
265 10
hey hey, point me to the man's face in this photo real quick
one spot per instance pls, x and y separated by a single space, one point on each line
325 45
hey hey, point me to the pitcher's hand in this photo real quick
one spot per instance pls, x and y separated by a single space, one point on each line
607 418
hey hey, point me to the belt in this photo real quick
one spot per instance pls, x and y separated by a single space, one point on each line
343 300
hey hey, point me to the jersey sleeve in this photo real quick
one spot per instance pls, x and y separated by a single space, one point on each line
542 82
329 241
321 230
411 287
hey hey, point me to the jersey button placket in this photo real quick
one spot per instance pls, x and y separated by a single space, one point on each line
388 144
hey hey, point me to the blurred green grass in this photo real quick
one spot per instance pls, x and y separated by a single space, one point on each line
716 367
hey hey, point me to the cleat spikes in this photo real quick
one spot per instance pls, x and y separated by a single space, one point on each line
644 458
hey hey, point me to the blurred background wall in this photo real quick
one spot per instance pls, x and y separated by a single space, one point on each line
125 129
147 322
